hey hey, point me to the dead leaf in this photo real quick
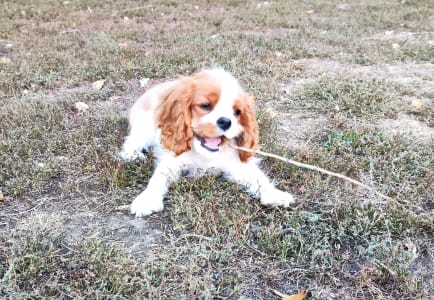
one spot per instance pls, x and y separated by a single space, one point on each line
416 105
40 165
271 112
81 107
388 32
124 45
2 197
122 207
97 85
5 60
343 6
265 3
300 296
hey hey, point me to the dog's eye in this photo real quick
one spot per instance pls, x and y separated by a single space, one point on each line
206 106
237 112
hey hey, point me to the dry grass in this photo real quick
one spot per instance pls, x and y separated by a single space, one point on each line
355 68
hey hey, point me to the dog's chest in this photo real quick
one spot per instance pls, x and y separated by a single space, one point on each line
211 163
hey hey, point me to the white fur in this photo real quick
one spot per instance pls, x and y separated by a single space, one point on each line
144 134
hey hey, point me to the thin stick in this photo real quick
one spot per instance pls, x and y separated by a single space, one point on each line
28 210
315 168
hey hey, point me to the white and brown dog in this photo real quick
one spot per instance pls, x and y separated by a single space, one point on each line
188 123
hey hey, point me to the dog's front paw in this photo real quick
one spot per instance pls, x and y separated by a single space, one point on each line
146 203
275 197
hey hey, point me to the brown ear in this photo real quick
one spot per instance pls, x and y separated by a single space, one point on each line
174 117
250 136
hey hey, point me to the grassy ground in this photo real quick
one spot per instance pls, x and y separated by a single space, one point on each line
343 85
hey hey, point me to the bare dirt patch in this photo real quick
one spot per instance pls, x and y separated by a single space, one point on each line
298 129
407 127
134 234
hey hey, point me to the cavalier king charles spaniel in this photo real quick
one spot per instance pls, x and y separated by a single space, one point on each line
189 124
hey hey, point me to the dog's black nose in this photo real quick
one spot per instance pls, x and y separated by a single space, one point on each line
224 123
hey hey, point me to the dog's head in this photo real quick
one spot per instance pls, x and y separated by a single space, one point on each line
210 107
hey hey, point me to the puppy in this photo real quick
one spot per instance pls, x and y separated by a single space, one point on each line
189 124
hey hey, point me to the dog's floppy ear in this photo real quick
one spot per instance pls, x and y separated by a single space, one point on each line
250 136
174 117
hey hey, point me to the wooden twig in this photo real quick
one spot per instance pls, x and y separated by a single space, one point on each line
315 168
379 264
188 235
28 210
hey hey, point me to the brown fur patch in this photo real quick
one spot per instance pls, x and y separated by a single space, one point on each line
250 136
174 117
181 107
207 91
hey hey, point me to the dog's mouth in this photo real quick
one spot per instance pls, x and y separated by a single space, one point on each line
211 143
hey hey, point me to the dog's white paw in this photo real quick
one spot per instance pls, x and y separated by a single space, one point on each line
146 203
275 197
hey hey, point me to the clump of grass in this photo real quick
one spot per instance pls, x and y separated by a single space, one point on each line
191 206
324 243
25 129
356 142
387 159
51 140
197 267
426 114
121 174
420 52
351 97
41 266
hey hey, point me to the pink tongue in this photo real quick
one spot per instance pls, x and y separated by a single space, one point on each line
213 142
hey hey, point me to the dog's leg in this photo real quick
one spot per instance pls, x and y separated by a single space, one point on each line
151 199
133 148
258 184
142 135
